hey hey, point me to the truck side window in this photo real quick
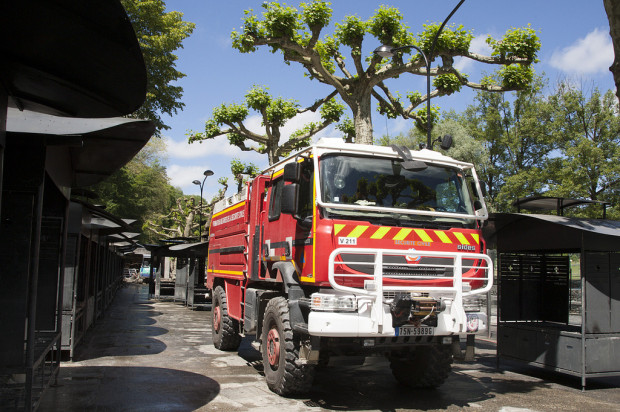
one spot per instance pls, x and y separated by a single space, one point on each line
275 200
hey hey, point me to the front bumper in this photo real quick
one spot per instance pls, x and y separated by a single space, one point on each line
362 323
373 317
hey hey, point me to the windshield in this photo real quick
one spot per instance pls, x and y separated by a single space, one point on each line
383 182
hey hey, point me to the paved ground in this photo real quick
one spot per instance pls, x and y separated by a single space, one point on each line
152 356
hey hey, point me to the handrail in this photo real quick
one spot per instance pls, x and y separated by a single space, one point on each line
379 265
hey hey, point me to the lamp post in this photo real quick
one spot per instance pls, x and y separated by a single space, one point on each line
388 51
206 173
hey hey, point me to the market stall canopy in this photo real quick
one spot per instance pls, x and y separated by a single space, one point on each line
555 203
125 235
99 219
71 58
97 147
183 250
514 232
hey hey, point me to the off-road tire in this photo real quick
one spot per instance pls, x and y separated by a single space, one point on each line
425 367
225 335
287 375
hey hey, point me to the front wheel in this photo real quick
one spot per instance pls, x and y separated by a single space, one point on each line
426 367
224 329
285 373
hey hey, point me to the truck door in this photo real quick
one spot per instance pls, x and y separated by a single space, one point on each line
285 236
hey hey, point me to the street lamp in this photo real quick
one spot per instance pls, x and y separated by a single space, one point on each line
207 173
388 51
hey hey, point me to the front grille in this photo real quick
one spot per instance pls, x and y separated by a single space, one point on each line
412 295
404 271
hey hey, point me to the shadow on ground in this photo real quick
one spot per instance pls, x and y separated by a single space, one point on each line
371 386
112 388
126 330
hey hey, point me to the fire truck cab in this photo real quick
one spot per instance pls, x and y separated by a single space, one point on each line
347 249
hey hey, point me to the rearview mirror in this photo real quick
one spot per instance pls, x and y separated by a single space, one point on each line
292 172
446 142
290 199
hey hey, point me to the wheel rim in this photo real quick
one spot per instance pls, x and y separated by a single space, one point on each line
217 317
273 348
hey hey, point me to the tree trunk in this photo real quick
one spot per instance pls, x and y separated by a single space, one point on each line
271 156
612 8
189 220
362 117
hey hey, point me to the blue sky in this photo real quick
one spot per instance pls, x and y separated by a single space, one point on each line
575 46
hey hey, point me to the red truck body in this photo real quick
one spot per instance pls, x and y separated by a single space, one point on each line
345 249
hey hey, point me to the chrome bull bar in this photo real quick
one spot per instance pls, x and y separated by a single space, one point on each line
430 272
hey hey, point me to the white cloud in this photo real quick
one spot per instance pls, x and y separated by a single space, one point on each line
399 125
478 45
298 122
216 147
589 55
182 176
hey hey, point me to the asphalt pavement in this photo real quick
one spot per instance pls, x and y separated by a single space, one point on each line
156 355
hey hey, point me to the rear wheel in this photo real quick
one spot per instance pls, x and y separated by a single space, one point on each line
426 367
285 373
224 329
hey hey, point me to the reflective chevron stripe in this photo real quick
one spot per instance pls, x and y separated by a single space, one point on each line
401 234
423 235
380 233
461 237
442 236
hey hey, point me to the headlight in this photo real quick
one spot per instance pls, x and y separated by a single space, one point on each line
333 303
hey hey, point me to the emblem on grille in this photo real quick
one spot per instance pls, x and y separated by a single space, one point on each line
412 257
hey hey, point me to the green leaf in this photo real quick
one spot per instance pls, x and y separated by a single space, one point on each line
452 39
421 118
447 83
331 110
229 114
281 110
386 25
258 98
517 43
516 76
351 32
316 14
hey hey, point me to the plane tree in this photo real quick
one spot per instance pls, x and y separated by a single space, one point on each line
297 35
230 120
184 217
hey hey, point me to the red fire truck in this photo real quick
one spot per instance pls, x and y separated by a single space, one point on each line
346 249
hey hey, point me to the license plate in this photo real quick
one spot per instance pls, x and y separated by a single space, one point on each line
415 331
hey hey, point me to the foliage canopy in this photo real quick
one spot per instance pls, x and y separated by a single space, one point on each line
297 35
275 112
159 34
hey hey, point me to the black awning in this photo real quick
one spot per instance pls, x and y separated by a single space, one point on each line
513 232
554 203
97 147
98 218
184 250
74 58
